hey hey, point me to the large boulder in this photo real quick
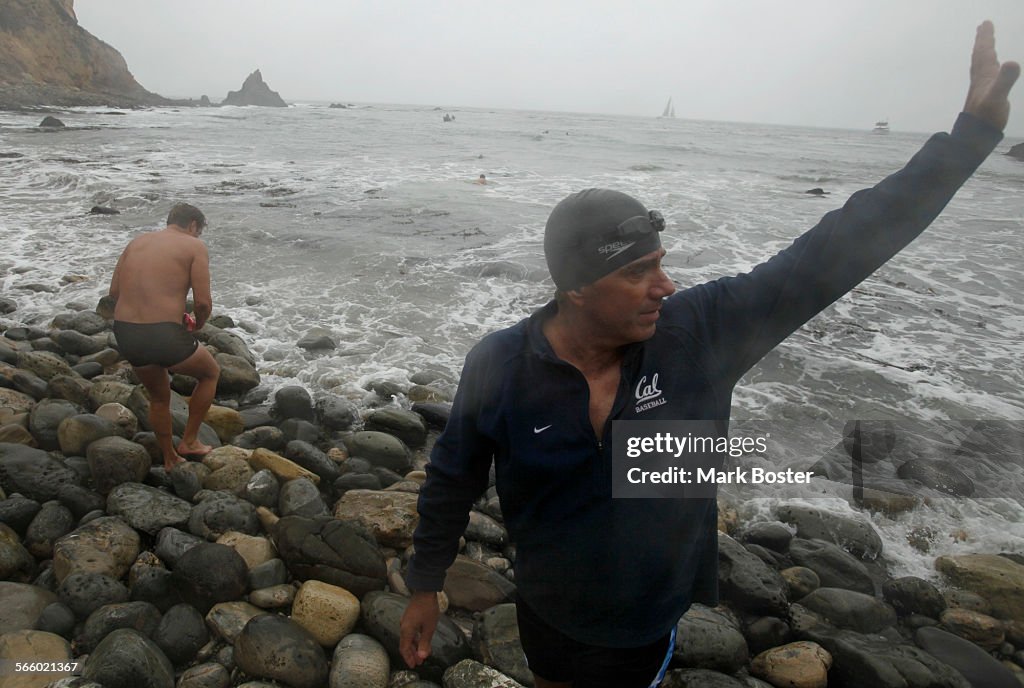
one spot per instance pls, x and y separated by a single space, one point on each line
76 433
105 545
748 581
359 661
254 91
146 508
128 659
331 551
115 460
855 534
998 579
707 639
45 418
390 516
275 647
496 642
472 586
33 473
380 449
237 376
210 573
23 603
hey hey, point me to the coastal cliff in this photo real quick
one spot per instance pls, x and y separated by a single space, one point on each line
46 58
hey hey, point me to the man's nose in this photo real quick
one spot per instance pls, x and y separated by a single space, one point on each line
663 286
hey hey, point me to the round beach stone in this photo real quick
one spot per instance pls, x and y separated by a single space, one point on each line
944 476
981 629
226 422
14 402
850 609
45 364
46 417
913 595
356 481
17 512
187 478
210 573
53 522
140 616
208 675
56 618
172 543
180 634
997 579
747 581
472 586
231 477
110 392
77 343
707 639
254 549
405 425
275 647
293 401
802 664
264 436
974 663
496 641
22 605
470 673
127 659
76 433
146 508
71 387
855 534
121 416
771 534
16 563
300 497
836 568
227 619
332 551
381 615
359 661
222 513
380 449
87 322
800 581
328 612
115 460
237 376
483 528
273 597
312 459
301 430
84 593
435 414
335 412
105 545
262 489
267 574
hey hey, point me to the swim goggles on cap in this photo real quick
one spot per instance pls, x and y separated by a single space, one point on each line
653 221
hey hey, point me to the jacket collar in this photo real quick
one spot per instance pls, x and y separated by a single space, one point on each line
540 346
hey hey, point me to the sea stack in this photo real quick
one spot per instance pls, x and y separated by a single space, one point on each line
255 92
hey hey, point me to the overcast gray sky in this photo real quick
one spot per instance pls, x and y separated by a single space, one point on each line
843 63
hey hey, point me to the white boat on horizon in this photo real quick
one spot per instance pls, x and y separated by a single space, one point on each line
881 126
670 110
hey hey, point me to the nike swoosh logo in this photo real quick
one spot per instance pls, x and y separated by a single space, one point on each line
627 246
537 431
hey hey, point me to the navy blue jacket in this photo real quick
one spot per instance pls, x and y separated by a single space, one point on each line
620 572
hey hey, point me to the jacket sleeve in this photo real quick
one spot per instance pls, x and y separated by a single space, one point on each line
456 476
749 314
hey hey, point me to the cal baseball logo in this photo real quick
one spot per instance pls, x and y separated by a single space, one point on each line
648 396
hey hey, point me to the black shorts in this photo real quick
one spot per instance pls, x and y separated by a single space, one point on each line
556 657
164 343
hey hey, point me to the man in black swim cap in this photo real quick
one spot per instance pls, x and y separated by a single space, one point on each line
601 583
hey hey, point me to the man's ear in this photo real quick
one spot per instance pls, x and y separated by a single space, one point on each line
576 296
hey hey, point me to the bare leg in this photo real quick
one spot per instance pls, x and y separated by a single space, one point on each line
201 366
155 380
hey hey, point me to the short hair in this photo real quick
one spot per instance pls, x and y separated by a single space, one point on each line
184 214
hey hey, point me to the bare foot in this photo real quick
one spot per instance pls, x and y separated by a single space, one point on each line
176 461
196 448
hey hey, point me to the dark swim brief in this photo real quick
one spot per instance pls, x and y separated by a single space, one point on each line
164 343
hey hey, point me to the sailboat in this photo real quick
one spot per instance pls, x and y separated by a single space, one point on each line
882 126
670 109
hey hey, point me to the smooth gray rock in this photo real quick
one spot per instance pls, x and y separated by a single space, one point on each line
140 616
263 489
405 425
380 449
496 642
84 593
332 551
836 568
312 459
771 534
335 413
115 460
293 402
181 633
976 665
854 534
300 497
75 434
172 543
46 417
221 513
912 595
849 609
57 618
706 639
264 436
470 673
146 508
210 573
208 675
17 511
53 521
127 659
747 581
268 574
275 647
359 661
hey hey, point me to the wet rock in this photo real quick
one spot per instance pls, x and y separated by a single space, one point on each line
231 477
707 639
222 513
976 665
70 387
944 476
312 459
390 516
475 587
405 425
121 416
912 595
274 647
16 563
230 343
854 534
835 567
262 489
88 370
127 659
45 364
46 417
359 661
210 573
850 609
140 616
146 508
381 614
332 551
209 675
56 618
335 413
254 550
237 376
17 512
356 481
227 619
172 543
316 342
112 392
84 593
380 449
771 534
187 479
115 460
53 522
496 642
296 429
293 402
300 497
262 437
227 423
328 612
435 414
105 545
284 469
273 597
76 433
470 673
981 629
77 343
799 665
748 581
483 528
997 579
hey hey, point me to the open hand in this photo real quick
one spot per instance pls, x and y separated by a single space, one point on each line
987 97
417 627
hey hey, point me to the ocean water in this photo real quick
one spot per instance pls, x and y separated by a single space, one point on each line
365 224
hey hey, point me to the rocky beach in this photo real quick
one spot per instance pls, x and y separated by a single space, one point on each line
278 559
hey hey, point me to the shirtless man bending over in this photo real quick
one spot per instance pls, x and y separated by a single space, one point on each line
150 284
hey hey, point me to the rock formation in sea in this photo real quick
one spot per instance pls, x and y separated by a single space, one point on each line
1017 151
47 58
255 92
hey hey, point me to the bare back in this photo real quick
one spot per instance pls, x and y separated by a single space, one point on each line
154 275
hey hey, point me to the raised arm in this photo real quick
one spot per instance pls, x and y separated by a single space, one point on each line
988 94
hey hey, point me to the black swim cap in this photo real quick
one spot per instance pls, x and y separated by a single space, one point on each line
595 232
